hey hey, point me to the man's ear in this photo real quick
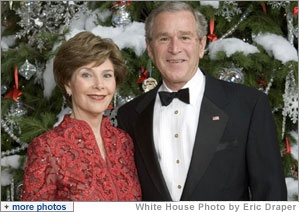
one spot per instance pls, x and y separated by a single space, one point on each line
202 44
149 49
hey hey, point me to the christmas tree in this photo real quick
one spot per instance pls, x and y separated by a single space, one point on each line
253 43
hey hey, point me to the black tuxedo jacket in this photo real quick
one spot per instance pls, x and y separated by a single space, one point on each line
234 158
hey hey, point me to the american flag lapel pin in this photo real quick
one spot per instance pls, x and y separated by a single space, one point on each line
216 118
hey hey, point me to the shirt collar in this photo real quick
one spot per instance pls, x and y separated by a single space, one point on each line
196 86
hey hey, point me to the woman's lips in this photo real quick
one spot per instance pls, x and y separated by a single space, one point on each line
97 97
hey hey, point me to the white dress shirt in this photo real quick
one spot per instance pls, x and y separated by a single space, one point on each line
174 130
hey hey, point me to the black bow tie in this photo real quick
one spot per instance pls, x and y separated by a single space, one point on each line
167 97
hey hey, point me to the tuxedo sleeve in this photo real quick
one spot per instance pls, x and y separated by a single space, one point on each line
125 118
266 178
121 119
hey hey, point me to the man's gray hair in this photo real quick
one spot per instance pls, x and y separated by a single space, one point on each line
175 7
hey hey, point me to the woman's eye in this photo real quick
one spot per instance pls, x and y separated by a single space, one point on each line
108 75
86 75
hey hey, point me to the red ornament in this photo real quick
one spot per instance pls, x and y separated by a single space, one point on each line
14 93
212 36
295 11
143 75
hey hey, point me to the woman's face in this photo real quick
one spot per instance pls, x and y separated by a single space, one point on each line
92 89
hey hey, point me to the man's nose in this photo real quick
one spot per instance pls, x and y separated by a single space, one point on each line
174 46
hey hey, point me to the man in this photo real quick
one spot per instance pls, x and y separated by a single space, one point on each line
215 140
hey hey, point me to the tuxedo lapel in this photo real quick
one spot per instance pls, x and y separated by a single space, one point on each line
144 133
212 122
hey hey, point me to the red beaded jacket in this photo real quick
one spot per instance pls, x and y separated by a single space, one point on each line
65 164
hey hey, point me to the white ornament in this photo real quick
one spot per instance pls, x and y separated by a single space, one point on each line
278 4
148 84
38 17
228 9
290 98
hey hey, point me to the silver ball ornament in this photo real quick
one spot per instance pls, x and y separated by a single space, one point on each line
27 70
232 75
121 17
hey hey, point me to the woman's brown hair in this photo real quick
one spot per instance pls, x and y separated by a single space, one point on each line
83 49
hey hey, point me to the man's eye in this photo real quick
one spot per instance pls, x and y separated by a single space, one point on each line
163 39
185 38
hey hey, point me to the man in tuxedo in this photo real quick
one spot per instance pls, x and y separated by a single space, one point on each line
196 137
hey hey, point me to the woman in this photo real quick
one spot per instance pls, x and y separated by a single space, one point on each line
84 158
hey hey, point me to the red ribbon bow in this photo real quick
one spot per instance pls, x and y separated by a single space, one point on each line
288 146
121 3
14 93
295 11
262 82
264 8
212 36
110 107
143 75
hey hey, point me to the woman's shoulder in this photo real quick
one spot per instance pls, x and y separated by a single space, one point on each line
56 141
58 131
